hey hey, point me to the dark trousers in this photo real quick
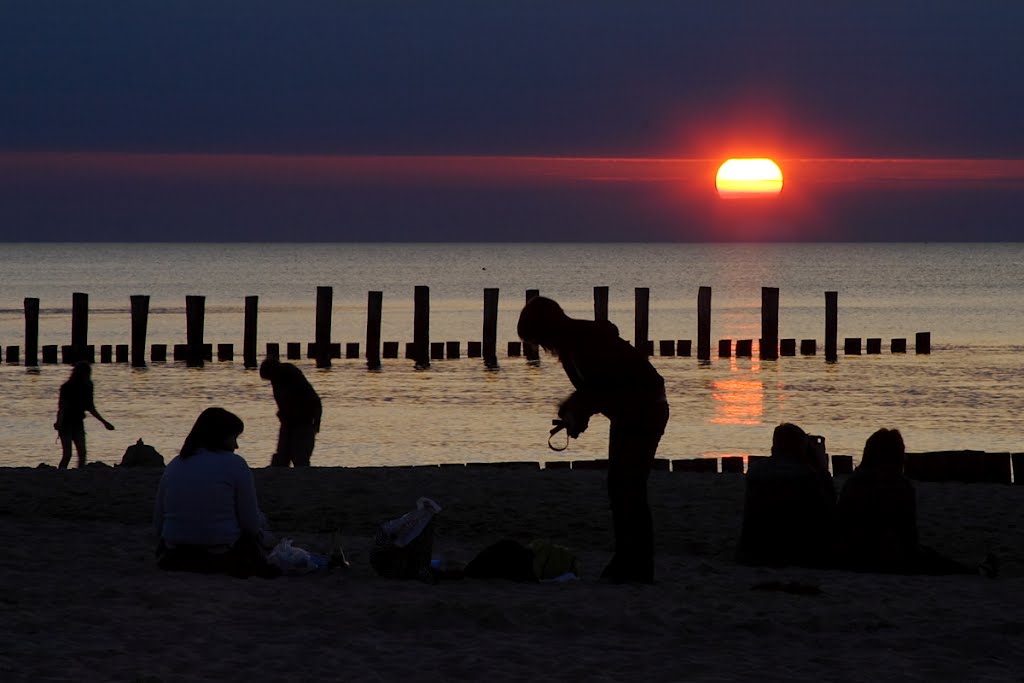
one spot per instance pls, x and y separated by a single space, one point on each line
242 560
295 444
631 449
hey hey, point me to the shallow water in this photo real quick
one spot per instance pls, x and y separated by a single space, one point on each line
965 394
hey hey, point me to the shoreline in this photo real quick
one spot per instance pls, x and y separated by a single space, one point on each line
84 601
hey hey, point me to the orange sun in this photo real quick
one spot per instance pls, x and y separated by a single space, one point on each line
748 178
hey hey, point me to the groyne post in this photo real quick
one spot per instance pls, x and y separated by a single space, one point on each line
249 328
140 321
831 326
490 330
195 321
600 303
531 351
769 345
704 323
641 323
79 325
374 315
324 304
31 331
421 326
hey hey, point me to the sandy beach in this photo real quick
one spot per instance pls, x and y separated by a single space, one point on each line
82 599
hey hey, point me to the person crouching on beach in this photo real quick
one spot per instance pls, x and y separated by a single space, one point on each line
299 410
206 515
76 399
612 378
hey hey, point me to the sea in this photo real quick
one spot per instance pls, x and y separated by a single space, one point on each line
968 393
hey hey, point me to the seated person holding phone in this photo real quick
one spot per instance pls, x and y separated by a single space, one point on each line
789 504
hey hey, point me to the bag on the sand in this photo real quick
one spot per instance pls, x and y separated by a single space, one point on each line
402 547
291 559
141 455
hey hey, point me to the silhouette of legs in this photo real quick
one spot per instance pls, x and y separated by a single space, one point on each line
294 445
77 438
631 451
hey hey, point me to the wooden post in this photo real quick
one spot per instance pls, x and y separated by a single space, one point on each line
898 345
600 303
769 346
684 347
642 298
31 332
725 348
374 315
195 321
831 325
79 325
140 320
490 330
744 348
531 351
249 331
923 342
421 326
324 303
704 323
787 347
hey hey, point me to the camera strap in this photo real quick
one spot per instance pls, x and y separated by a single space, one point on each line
551 436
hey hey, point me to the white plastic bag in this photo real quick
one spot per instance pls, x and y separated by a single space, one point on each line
291 559
404 529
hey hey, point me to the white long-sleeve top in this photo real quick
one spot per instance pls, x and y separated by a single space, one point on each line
207 499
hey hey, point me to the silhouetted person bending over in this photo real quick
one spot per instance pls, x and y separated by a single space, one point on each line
75 401
298 409
615 379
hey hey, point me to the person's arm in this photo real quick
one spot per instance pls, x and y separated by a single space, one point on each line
90 407
250 519
318 411
158 509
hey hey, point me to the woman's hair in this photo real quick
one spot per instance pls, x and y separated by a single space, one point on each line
542 321
213 427
884 450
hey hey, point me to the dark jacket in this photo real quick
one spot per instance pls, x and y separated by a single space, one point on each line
788 514
297 401
610 376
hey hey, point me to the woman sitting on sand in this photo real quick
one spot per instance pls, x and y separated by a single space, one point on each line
877 518
206 514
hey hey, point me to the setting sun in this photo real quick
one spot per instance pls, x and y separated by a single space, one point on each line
748 178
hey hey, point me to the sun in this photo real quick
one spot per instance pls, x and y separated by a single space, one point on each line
748 178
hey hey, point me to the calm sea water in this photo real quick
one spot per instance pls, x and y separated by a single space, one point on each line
966 394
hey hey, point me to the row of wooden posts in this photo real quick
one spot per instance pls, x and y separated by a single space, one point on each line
194 352
937 466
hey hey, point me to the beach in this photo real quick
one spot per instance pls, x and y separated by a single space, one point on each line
83 600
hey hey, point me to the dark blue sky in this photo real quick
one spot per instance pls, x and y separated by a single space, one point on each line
590 78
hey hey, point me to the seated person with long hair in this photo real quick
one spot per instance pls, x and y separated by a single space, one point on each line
877 518
206 514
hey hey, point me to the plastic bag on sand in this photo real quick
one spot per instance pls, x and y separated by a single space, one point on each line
291 559
404 529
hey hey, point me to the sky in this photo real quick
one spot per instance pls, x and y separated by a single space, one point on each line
473 120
